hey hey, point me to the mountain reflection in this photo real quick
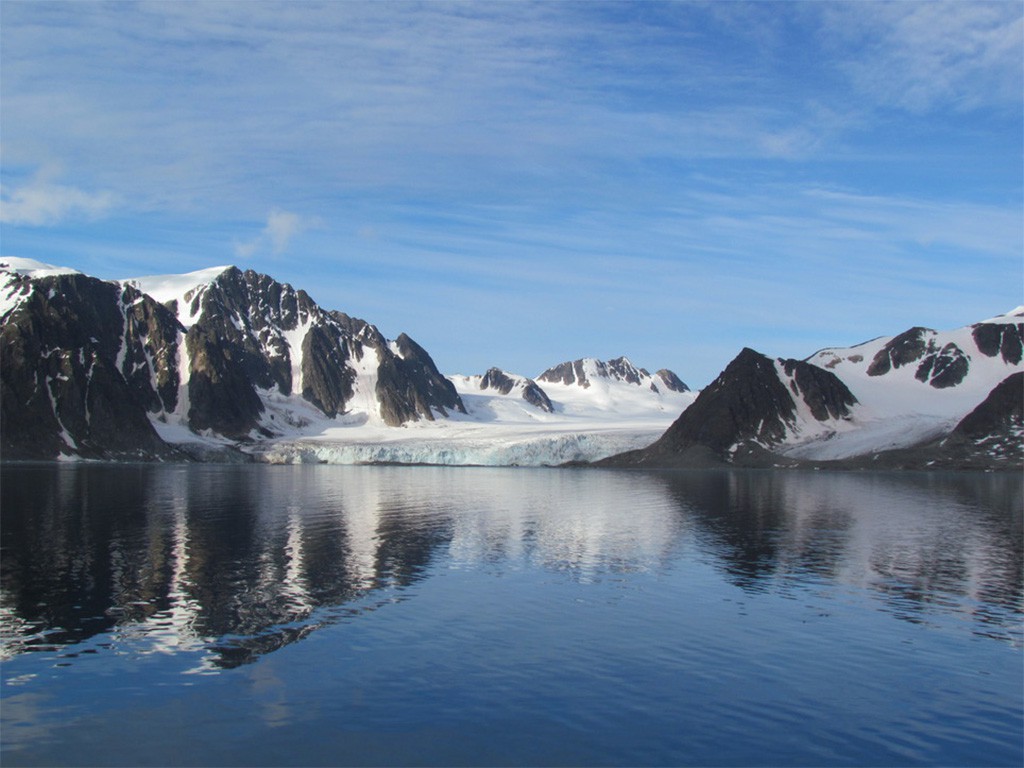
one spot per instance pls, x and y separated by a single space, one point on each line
234 562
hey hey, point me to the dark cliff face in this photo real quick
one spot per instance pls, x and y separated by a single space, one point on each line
904 349
87 363
1003 339
749 407
410 386
672 382
537 397
498 380
566 373
944 368
821 390
82 361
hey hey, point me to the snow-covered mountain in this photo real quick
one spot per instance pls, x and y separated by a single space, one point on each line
104 369
202 364
510 420
224 363
922 398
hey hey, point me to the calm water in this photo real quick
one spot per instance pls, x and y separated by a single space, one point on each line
318 615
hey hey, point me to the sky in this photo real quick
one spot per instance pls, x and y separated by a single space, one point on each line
517 184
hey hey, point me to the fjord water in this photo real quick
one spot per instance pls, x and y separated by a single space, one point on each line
327 615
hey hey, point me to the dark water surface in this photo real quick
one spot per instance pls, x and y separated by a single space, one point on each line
325 615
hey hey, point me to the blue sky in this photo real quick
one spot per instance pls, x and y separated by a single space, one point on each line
517 184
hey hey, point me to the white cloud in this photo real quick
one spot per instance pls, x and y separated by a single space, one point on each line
42 202
282 226
922 56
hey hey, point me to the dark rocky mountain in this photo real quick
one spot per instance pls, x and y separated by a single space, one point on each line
94 368
753 405
194 366
82 362
499 381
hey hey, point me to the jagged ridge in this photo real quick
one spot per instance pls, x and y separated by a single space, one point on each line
90 367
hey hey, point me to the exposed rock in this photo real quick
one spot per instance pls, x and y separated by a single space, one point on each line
221 397
945 368
326 377
566 373
620 368
498 380
537 397
580 372
906 348
1004 339
821 390
743 413
671 381
81 361
1000 412
410 386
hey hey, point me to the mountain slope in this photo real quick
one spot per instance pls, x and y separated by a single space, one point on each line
921 398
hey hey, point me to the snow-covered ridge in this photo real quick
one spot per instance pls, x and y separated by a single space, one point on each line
182 289
33 268
917 385
14 271
255 364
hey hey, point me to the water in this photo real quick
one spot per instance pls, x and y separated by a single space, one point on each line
326 615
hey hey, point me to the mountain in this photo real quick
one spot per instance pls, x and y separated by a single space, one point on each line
584 386
923 398
498 381
114 370
587 371
225 364
82 362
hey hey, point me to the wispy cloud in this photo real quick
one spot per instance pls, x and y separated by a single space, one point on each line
925 56
41 201
762 164
282 226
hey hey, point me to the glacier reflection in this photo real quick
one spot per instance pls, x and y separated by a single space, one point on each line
228 563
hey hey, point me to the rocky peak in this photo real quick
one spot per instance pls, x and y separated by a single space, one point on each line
410 386
672 382
585 371
566 373
751 405
498 380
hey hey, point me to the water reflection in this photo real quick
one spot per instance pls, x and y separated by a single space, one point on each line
234 562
